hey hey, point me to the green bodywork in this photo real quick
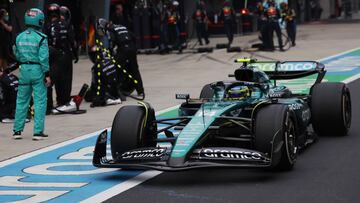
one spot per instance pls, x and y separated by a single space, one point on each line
201 121
208 113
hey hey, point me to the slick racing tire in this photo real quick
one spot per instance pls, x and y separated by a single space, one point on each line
276 136
207 92
331 109
129 131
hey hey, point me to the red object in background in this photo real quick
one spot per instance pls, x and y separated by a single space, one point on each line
245 11
227 11
77 100
172 20
91 35
272 12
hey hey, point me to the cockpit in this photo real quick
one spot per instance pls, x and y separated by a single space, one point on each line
249 82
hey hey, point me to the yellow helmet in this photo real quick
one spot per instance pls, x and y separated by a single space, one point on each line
239 93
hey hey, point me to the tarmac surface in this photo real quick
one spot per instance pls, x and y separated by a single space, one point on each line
326 171
165 75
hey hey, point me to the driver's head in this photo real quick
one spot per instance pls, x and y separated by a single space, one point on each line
239 93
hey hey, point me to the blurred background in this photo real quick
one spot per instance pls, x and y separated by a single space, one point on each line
143 16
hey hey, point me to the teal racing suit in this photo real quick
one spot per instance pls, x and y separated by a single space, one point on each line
31 50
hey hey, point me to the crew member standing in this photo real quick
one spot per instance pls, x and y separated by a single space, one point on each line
228 16
273 15
173 31
31 50
124 48
5 36
263 27
200 18
289 16
63 50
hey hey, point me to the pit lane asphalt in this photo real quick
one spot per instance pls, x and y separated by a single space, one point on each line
327 171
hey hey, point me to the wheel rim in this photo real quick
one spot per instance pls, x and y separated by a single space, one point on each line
290 140
346 105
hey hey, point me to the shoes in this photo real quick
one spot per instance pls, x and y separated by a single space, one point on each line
43 135
113 101
40 136
37 138
70 107
293 44
17 135
7 120
282 49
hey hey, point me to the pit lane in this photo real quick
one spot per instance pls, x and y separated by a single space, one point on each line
325 172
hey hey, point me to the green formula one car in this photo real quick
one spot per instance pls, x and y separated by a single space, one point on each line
251 121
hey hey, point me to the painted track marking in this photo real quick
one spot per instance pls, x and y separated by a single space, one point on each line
136 180
122 187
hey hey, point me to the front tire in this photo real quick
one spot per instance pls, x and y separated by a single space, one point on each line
331 109
275 135
129 131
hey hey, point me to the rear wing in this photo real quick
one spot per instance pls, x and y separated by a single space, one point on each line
286 70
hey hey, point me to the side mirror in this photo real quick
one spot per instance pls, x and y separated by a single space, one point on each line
182 96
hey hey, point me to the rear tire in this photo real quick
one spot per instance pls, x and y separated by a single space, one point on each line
275 136
331 109
207 92
128 131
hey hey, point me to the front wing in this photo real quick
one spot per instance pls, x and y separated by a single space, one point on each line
157 158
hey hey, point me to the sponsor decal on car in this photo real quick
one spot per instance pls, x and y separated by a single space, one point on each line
236 154
144 153
275 95
287 66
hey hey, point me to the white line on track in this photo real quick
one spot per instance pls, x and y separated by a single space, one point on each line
46 149
62 144
122 187
132 182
